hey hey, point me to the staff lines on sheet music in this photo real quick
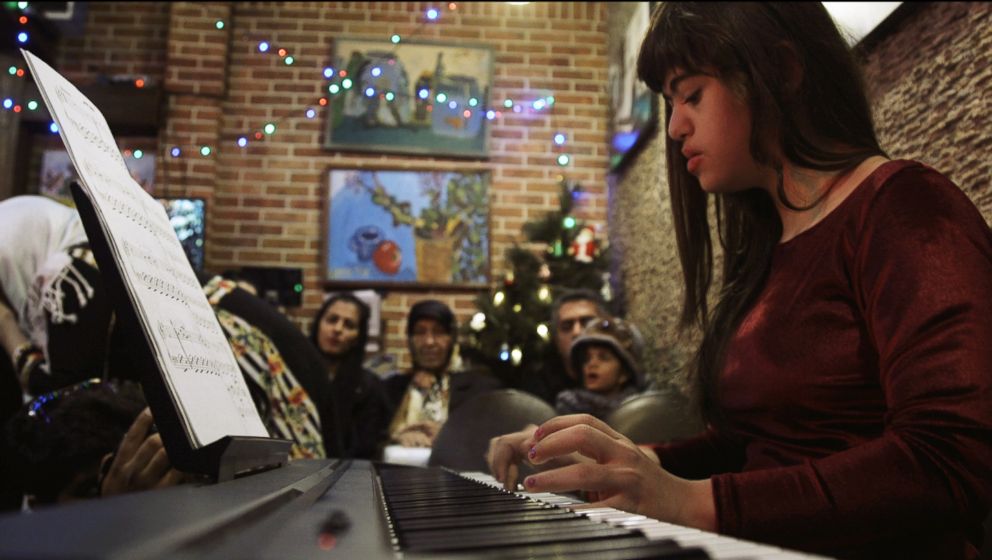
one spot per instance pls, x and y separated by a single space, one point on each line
87 131
184 334
154 280
138 217
244 405
164 267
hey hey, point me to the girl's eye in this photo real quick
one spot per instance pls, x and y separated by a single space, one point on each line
694 97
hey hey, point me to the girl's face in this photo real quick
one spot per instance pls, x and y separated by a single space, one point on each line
602 371
713 128
338 329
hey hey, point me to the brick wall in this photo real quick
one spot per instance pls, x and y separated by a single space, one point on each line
929 79
265 203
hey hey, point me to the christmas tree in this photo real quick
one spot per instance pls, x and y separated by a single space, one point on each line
511 327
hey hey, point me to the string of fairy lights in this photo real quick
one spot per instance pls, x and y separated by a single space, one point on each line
338 82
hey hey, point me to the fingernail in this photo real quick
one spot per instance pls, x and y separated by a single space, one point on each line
539 432
530 482
532 453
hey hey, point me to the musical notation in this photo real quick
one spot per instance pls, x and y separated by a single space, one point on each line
161 276
191 353
92 132
125 203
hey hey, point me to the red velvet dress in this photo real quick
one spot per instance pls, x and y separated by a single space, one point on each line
857 391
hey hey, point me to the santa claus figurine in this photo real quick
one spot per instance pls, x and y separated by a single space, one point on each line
584 247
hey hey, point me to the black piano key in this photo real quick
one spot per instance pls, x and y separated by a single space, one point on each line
472 539
620 548
447 500
471 509
649 550
502 518
433 510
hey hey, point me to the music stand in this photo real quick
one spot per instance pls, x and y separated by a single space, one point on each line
223 459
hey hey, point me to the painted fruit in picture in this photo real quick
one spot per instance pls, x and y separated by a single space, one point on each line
387 257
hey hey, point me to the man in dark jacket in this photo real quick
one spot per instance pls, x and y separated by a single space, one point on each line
424 394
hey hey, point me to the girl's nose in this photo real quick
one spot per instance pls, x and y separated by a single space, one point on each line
678 126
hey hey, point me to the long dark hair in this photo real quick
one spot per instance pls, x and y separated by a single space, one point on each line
824 123
350 364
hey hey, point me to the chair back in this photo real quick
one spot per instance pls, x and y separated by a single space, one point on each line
655 417
464 438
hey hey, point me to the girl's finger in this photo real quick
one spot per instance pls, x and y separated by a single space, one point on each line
584 439
559 423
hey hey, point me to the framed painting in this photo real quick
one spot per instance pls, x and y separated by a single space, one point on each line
634 107
407 229
413 98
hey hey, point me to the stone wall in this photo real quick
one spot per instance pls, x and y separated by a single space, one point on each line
929 77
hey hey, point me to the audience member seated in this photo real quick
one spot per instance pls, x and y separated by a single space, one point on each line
86 440
55 323
426 392
608 356
355 410
570 312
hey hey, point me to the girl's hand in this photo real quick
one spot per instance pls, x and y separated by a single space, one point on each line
507 452
615 472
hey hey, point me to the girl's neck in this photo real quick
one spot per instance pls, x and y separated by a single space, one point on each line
817 193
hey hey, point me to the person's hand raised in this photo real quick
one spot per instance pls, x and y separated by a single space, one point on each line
140 462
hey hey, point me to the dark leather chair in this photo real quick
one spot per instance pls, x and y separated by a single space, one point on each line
464 438
655 417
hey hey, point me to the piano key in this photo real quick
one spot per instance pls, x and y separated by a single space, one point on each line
718 546
624 547
502 518
471 509
475 540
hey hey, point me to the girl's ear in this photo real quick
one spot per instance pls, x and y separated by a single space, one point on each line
793 70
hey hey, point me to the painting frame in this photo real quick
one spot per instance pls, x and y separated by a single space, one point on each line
406 229
414 97
634 108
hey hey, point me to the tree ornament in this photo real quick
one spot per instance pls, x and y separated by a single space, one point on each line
606 292
544 274
584 248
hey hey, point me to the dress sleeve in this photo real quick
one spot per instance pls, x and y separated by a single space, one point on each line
921 272
700 456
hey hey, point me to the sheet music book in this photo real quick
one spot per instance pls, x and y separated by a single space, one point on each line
194 358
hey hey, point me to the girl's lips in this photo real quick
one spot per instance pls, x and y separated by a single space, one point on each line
693 164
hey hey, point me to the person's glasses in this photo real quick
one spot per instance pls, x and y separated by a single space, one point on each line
40 405
566 325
